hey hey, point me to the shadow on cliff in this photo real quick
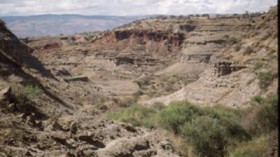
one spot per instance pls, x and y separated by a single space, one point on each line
20 53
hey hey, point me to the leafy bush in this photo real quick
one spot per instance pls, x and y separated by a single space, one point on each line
212 136
212 131
206 136
209 130
265 78
176 114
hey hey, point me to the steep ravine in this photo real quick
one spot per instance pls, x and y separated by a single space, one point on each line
35 119
56 91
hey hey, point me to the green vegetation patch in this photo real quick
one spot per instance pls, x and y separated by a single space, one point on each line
136 115
216 131
257 147
231 40
266 118
265 78
208 130
25 93
258 65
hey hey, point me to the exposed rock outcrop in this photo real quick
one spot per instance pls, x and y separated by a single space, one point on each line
201 59
53 123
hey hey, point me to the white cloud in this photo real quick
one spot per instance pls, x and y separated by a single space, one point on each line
131 7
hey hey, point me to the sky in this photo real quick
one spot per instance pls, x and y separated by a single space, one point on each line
131 7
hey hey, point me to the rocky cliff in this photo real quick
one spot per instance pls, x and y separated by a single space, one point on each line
40 116
56 91
235 71
209 50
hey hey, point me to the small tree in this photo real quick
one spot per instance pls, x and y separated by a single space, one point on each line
211 136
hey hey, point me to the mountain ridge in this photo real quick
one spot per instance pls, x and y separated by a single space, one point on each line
56 24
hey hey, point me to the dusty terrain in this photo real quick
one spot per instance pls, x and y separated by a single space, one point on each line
55 90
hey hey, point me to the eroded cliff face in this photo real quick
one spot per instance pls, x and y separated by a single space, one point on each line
206 61
152 42
187 48
234 73
173 39
42 113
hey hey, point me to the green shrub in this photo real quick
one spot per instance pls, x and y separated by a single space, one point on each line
222 111
206 136
258 99
136 115
262 117
210 136
267 117
27 92
265 78
176 114
210 131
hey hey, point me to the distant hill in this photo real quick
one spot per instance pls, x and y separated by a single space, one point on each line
41 25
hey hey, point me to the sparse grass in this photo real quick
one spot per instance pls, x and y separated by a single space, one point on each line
231 40
136 115
29 92
265 78
257 147
258 99
267 117
262 117
258 65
